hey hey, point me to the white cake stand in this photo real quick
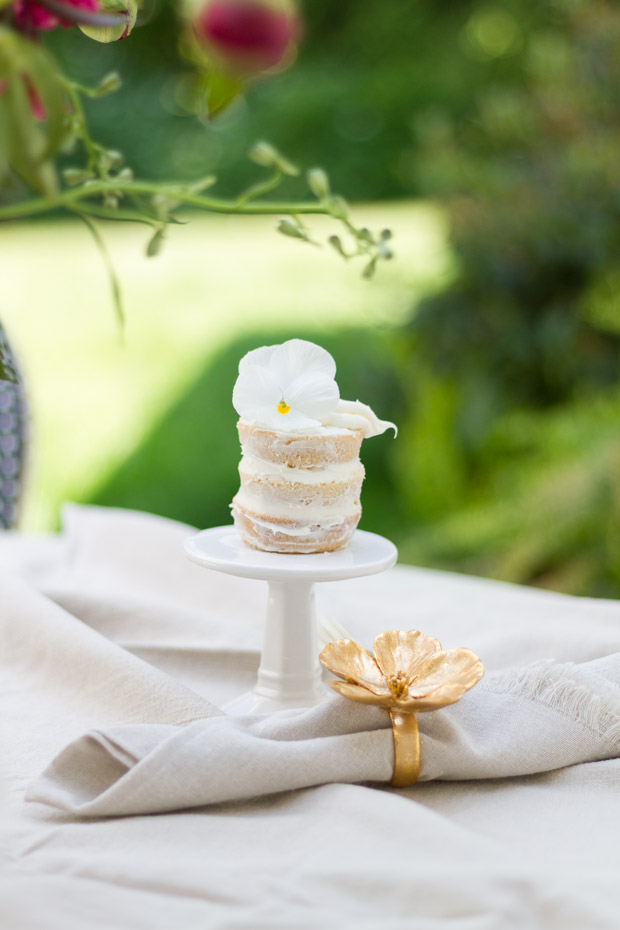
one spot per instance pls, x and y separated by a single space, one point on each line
289 674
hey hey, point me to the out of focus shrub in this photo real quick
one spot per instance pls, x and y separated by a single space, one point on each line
532 182
509 454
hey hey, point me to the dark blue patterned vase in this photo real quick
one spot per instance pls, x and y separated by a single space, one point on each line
13 426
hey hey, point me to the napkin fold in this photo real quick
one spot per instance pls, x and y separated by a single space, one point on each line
516 722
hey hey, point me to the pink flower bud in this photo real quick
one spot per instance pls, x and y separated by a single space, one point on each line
246 37
34 18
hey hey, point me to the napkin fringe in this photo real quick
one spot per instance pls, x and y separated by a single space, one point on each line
589 699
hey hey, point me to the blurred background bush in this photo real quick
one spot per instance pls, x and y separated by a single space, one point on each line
492 340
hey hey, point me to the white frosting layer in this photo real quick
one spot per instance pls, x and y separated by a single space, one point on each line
317 429
297 530
353 414
253 467
325 513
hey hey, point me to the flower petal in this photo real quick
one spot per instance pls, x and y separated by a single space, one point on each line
404 651
361 695
456 667
314 395
348 660
260 357
269 418
255 389
299 356
443 696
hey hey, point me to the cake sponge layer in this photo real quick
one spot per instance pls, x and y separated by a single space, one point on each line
299 493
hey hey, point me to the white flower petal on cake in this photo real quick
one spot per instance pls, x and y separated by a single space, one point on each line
260 357
292 358
288 386
256 389
313 394
295 420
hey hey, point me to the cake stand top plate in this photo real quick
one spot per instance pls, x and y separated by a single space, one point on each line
222 549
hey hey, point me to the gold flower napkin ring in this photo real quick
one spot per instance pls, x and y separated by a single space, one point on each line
408 674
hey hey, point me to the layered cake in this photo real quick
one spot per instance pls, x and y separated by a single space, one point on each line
300 470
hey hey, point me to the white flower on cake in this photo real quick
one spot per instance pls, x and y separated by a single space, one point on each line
286 387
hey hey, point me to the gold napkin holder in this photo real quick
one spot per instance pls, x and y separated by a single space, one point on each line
409 674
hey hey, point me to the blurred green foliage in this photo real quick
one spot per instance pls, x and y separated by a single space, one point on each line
521 352
532 180
349 103
505 385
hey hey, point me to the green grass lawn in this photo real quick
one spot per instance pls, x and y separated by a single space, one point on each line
95 396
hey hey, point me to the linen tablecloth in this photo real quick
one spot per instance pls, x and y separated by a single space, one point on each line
109 624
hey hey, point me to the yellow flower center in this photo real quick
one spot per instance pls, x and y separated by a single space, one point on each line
283 408
398 684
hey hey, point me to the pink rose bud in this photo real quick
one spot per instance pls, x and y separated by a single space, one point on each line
34 18
246 37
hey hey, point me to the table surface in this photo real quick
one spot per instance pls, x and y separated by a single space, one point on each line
109 623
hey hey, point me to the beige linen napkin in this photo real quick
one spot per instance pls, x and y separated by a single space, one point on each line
515 722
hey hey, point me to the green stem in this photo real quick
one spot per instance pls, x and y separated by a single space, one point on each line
104 213
115 286
257 190
91 147
71 199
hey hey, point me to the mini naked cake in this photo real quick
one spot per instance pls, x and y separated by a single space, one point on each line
300 471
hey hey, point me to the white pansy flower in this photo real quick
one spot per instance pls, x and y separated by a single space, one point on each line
286 387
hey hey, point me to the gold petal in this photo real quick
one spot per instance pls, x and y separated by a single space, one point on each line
356 693
348 660
404 651
441 697
460 667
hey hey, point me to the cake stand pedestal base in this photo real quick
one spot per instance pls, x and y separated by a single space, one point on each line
289 675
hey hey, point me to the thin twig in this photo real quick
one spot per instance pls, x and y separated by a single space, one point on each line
115 286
